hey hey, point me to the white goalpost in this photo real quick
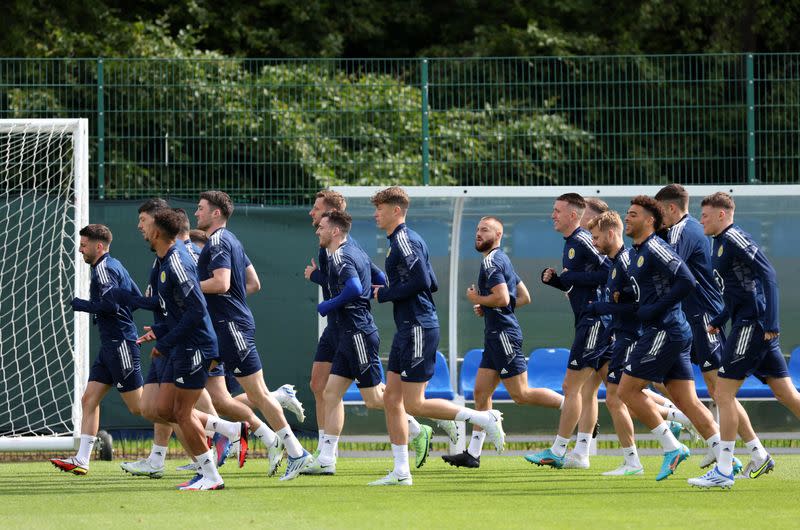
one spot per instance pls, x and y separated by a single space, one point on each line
44 345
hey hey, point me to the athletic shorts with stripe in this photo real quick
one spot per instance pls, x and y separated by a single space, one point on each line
357 358
590 345
621 349
659 356
413 353
118 365
187 367
326 347
502 352
706 348
747 353
237 348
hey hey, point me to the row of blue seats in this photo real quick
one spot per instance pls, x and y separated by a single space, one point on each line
546 368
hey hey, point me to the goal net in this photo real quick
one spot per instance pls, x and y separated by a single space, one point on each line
43 344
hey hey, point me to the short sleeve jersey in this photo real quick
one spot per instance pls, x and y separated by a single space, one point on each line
224 251
496 269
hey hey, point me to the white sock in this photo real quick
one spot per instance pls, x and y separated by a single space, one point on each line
713 444
227 428
208 466
266 435
559 447
400 454
85 449
413 427
665 436
481 418
669 404
293 447
677 415
327 454
582 443
209 433
320 439
725 457
756 450
157 455
631 456
476 443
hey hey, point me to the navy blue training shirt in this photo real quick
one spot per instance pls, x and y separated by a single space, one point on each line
411 281
349 261
746 278
496 269
224 251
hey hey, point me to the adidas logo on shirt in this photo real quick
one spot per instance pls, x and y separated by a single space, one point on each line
236 370
503 371
721 370
119 385
706 364
574 363
179 380
403 373
628 367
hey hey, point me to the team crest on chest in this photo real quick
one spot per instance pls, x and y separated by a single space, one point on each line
719 251
571 253
640 261
163 276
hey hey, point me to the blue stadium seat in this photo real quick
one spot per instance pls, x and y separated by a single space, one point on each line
700 383
352 393
469 370
752 388
547 367
794 367
439 386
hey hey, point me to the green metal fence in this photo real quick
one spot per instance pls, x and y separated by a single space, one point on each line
274 131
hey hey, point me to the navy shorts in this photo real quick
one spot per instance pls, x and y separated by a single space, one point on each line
237 349
621 349
590 345
326 347
706 348
659 357
413 353
502 352
155 370
231 383
187 368
118 365
357 358
747 353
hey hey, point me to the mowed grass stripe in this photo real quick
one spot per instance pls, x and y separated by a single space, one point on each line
506 492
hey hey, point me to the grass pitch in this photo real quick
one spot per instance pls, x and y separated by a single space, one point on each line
506 492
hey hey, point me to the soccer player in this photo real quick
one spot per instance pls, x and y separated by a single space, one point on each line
500 291
153 465
326 201
585 270
198 237
413 355
750 293
185 335
117 363
660 280
617 301
704 302
356 357
226 277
